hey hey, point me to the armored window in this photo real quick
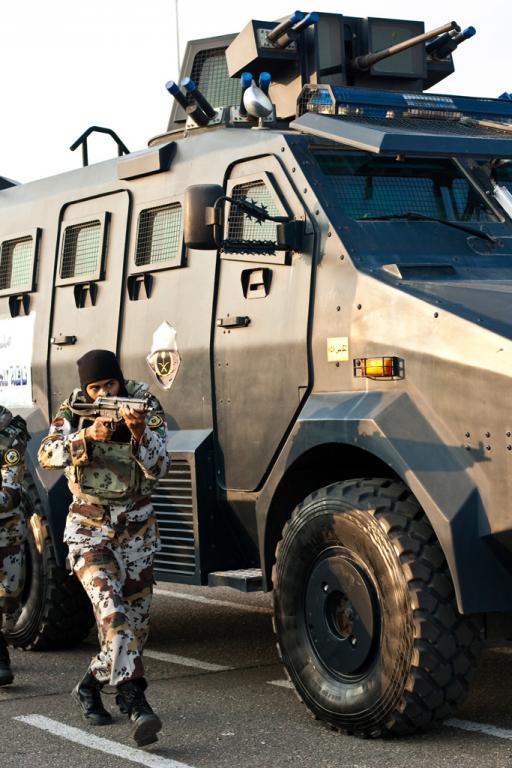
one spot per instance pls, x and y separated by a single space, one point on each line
81 250
241 226
365 187
210 73
17 264
159 236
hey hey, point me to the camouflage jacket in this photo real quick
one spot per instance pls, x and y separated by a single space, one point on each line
13 440
120 474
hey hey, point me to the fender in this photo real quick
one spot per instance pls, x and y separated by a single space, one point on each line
51 487
391 427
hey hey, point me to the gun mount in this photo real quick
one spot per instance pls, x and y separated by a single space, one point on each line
311 49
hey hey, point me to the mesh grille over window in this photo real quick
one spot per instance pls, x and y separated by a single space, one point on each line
363 187
82 249
241 227
16 263
158 235
210 73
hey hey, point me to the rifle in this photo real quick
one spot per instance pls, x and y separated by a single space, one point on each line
109 406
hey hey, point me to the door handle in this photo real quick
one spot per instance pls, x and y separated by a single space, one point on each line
256 282
233 322
62 341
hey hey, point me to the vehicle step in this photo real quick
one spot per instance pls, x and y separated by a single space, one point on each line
246 579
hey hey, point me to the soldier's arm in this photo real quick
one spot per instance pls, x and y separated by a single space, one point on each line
12 471
64 445
150 452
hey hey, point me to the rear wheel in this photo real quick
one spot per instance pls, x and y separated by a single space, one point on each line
55 611
365 612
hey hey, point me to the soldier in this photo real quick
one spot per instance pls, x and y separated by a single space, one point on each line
111 531
13 527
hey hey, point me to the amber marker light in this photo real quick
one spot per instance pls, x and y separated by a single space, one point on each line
379 368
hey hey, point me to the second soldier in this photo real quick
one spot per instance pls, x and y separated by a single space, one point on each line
13 527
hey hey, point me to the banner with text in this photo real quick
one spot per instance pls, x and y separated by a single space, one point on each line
16 344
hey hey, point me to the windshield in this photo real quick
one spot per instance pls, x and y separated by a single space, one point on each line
502 174
366 187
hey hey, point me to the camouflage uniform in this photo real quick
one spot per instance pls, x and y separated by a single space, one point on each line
111 530
13 526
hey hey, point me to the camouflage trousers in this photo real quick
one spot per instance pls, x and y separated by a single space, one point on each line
13 531
113 559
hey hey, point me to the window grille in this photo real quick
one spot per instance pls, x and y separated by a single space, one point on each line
159 235
210 73
241 227
81 252
17 263
363 187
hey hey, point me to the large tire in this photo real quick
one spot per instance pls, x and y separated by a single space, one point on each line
365 612
55 611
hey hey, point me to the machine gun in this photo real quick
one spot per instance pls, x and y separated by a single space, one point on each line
109 407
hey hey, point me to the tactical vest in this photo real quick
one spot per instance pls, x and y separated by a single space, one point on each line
112 475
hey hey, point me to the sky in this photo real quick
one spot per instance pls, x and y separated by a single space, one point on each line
66 65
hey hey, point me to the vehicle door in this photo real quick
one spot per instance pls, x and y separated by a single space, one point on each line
261 370
166 283
87 290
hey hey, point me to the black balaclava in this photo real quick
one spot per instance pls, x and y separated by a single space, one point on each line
99 364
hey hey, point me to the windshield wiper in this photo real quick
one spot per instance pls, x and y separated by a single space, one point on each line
414 216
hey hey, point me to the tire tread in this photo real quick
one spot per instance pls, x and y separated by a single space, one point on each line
447 645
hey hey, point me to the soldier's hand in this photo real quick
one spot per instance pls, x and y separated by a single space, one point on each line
99 430
134 420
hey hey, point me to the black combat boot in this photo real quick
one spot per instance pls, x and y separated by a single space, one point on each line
131 701
6 675
86 693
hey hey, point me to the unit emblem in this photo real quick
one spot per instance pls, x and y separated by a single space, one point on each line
164 358
12 457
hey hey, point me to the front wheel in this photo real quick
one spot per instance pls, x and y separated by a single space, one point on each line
365 612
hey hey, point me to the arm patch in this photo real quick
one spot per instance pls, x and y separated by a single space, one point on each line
12 457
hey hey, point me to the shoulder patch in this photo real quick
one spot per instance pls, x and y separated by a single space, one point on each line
155 422
12 457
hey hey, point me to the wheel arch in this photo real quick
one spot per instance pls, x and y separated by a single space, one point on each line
318 466
385 435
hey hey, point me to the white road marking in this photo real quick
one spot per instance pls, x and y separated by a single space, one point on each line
488 730
281 683
98 743
211 601
184 661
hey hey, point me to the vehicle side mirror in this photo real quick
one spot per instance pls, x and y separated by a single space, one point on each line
290 235
198 220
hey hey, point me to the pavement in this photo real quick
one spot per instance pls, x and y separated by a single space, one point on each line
217 684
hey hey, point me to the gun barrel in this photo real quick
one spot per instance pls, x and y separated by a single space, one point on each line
281 28
362 63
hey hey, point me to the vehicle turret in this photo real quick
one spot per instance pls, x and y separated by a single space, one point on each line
314 48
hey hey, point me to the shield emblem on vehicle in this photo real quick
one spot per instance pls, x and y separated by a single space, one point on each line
164 358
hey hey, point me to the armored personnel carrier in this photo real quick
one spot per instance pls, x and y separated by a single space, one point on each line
333 247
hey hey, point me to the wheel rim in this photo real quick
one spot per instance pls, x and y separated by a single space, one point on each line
342 613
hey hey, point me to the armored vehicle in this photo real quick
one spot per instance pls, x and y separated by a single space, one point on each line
333 247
